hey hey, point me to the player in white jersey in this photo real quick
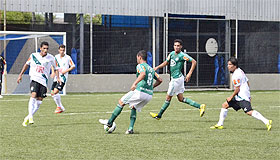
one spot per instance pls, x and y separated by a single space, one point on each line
40 67
240 99
64 65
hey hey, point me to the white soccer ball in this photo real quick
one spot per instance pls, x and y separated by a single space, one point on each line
110 130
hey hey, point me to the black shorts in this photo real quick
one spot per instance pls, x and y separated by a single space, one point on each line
236 105
39 89
57 86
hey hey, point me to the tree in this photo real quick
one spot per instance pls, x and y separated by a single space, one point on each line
96 19
20 17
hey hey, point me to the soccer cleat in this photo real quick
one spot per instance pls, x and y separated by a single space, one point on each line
1 96
217 127
155 115
202 109
59 110
130 131
269 125
25 121
108 128
31 120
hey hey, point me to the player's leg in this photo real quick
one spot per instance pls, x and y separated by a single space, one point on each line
249 111
32 104
40 95
136 105
223 115
201 107
133 115
172 88
188 101
118 109
56 87
1 84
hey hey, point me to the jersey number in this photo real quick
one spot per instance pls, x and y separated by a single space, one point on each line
150 79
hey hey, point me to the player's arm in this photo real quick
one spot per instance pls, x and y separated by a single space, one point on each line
24 68
53 73
5 67
158 81
188 76
57 75
139 78
235 92
163 64
68 70
55 69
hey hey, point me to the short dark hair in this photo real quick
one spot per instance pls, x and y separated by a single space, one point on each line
179 41
234 61
44 43
142 54
61 46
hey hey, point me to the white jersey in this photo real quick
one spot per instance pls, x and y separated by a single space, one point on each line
239 79
62 64
40 67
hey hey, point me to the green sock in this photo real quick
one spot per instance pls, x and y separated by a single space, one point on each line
163 108
132 118
191 102
115 114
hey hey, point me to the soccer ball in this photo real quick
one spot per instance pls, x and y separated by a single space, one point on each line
110 130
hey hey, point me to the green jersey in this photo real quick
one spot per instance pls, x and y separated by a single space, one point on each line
176 62
146 85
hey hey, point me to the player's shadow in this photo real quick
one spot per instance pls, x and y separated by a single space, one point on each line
205 121
165 132
64 124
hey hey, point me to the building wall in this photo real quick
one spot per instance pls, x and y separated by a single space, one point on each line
122 82
259 10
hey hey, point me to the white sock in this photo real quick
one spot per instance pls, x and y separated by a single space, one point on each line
259 116
57 101
37 107
223 115
31 106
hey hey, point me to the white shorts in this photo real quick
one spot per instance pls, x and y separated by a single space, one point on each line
176 86
136 99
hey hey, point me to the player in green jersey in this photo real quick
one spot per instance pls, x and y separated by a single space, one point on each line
140 94
176 60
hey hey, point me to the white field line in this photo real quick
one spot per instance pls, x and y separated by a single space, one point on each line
27 99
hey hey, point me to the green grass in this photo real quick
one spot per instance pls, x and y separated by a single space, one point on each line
180 134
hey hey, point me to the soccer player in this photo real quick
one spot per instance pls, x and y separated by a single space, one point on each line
240 98
2 69
140 94
40 67
64 65
176 60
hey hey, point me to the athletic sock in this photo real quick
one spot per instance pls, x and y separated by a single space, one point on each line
191 102
31 106
115 114
163 108
37 107
223 115
132 119
259 116
57 100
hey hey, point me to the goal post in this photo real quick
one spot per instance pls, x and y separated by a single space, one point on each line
18 47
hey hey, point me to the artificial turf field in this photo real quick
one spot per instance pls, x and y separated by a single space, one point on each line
180 134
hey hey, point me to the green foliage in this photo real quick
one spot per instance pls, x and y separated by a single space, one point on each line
97 19
20 17
17 17
180 134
